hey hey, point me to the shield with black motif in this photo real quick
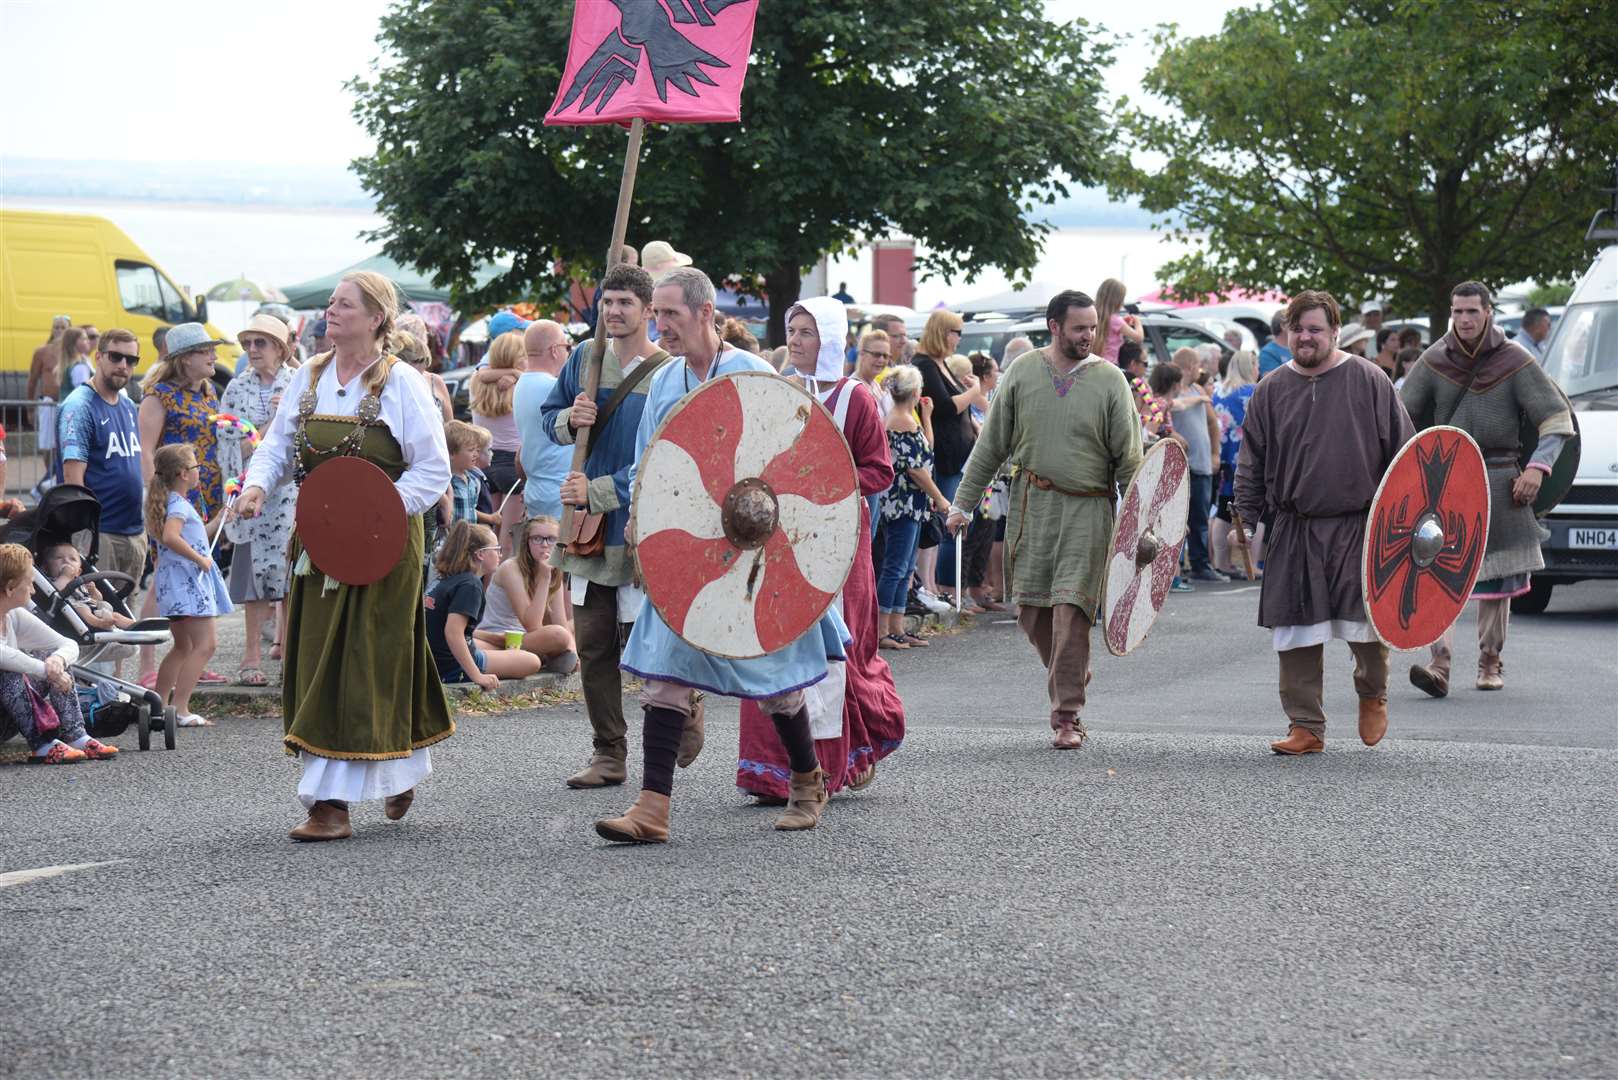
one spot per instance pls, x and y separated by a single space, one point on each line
1425 537
746 514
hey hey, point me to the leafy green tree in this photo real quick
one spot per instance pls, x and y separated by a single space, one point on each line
1376 147
951 121
1557 292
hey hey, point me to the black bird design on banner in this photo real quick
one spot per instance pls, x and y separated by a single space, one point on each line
647 25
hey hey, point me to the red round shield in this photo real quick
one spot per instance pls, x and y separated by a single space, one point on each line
746 514
1425 537
1145 551
351 520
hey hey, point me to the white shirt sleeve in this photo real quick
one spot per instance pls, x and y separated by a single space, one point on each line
272 461
418 425
29 634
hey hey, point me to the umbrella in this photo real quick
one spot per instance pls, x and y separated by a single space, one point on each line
245 289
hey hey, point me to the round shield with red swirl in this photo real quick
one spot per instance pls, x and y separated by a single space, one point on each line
1145 552
1425 537
746 515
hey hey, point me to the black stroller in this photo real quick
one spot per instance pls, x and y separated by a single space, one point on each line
69 514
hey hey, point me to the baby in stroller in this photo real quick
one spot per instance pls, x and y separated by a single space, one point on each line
91 608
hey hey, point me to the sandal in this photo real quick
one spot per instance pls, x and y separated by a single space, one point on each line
892 641
916 642
211 678
862 780
149 680
191 719
251 676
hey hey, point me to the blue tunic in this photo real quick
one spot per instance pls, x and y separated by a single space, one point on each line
656 652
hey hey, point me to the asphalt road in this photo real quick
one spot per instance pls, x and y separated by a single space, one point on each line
1173 900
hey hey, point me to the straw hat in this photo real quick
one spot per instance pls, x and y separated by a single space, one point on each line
659 257
269 326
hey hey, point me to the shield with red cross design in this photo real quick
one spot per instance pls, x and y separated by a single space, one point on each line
1145 552
746 515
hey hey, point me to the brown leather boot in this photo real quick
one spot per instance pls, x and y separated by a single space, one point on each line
395 806
327 821
1491 672
807 801
1430 682
1299 740
603 771
1373 720
1070 732
691 738
646 822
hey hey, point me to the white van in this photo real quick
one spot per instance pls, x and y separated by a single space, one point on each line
1582 356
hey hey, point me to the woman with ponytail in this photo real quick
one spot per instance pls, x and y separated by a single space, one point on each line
361 696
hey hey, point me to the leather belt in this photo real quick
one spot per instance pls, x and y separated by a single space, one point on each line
1045 485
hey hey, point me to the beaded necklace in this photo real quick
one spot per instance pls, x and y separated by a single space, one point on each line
370 409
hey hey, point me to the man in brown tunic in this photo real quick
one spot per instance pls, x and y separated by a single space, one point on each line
1319 433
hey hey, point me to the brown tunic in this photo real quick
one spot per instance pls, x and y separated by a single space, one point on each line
1314 448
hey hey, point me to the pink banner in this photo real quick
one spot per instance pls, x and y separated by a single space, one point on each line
667 61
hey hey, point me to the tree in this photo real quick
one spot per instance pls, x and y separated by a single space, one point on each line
1377 147
950 121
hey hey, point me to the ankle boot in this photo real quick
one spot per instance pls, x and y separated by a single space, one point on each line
691 737
807 801
646 822
1373 720
603 770
395 806
328 820
1491 672
1299 740
1429 681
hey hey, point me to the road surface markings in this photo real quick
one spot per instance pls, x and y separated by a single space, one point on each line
23 877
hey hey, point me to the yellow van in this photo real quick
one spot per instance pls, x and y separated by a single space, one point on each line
86 268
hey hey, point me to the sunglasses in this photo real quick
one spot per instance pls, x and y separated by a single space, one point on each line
122 358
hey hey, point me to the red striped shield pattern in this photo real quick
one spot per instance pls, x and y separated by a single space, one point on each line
1146 542
746 513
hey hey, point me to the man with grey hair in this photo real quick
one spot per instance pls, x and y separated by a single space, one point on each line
683 304
1014 348
898 338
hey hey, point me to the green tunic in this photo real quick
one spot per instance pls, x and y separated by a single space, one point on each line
1082 437
359 682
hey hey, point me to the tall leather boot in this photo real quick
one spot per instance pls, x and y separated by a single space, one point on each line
807 801
646 822
328 820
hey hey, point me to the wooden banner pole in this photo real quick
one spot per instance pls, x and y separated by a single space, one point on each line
598 346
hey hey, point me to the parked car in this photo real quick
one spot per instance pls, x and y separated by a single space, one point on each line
1582 356
1164 334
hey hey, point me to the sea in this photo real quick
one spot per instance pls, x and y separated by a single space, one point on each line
202 244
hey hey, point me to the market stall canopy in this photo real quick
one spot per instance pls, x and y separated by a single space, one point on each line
413 284
1036 295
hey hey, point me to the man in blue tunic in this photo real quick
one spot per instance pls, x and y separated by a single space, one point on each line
683 304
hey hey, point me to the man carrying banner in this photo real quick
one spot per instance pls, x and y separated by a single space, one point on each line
683 303
1068 420
1319 433
605 599
872 715
1475 379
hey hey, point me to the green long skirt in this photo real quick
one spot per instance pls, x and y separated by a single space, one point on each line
359 683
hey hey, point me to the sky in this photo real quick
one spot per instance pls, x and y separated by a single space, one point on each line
240 80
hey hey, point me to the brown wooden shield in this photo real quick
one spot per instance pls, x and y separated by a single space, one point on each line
746 515
1425 537
351 520
1145 551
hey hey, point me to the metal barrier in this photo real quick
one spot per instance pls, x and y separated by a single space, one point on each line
25 462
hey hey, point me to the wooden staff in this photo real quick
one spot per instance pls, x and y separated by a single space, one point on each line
1241 542
598 346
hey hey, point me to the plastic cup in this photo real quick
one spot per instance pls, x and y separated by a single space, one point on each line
513 639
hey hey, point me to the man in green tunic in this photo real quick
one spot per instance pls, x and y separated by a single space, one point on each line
1067 421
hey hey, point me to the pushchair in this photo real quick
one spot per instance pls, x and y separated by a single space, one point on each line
68 513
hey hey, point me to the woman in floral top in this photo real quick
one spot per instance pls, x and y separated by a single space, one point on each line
908 504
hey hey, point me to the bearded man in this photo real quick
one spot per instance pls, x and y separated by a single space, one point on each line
1067 420
1319 433
1491 388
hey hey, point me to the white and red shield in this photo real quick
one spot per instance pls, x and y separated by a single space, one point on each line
1425 537
1145 551
746 515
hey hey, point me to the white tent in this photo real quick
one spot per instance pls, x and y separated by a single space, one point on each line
1036 294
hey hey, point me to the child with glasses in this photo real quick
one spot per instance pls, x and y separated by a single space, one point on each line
527 608
455 607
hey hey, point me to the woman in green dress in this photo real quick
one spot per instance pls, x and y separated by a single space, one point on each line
362 699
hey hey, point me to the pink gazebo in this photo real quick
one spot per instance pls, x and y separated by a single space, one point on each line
1236 296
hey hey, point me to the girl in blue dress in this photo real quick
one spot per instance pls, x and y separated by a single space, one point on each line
190 591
